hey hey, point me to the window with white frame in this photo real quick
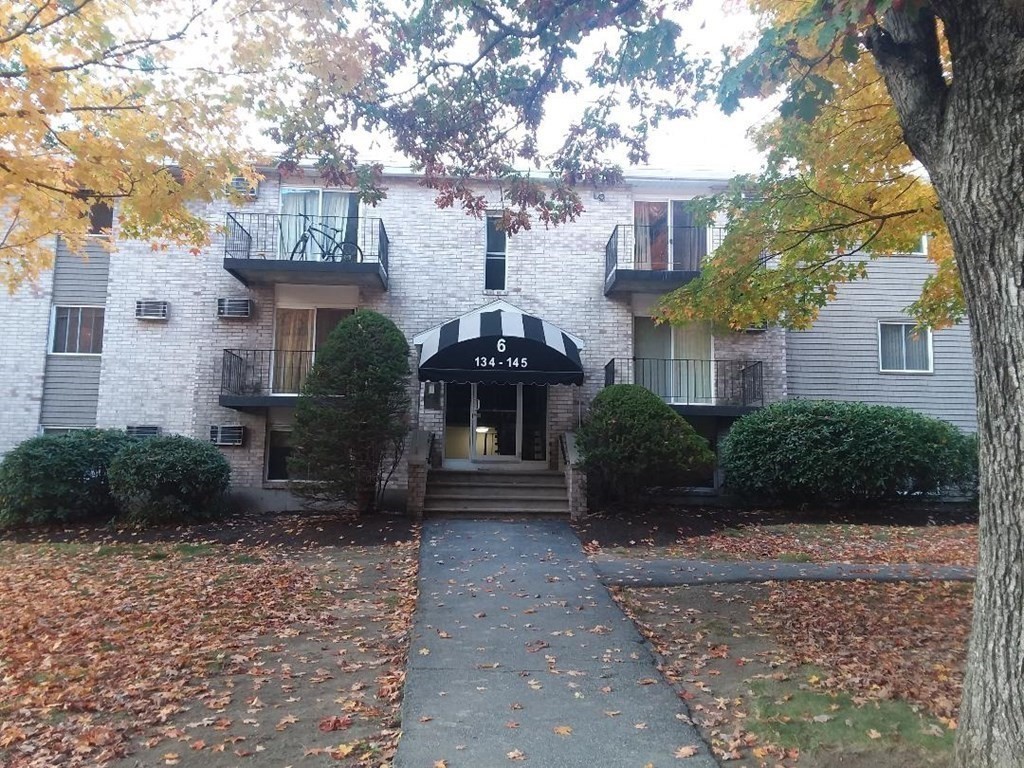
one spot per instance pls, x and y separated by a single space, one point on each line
904 348
77 331
495 262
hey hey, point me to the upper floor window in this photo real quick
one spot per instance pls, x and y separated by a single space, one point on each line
101 219
902 348
667 236
495 260
318 224
77 331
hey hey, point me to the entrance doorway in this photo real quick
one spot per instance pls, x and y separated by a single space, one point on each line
495 423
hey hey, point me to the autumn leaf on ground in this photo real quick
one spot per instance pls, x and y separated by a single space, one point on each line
285 722
342 751
562 730
329 724
516 754
873 734
440 764
688 751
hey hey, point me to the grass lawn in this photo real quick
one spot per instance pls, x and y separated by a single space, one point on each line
808 674
277 638
937 535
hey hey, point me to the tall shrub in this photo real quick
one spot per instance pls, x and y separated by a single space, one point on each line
633 441
169 479
352 416
837 452
59 478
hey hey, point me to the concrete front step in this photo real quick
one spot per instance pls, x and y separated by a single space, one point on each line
495 492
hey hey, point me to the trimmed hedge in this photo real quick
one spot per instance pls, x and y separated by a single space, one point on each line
169 479
59 478
800 452
633 441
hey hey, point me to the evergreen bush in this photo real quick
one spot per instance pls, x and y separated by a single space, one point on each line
169 479
351 418
632 442
59 478
800 452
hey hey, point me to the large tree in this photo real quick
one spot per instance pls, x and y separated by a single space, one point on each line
119 102
898 117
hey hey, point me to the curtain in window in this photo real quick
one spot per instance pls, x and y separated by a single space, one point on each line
891 339
693 368
652 350
689 241
341 218
298 207
651 242
293 353
916 349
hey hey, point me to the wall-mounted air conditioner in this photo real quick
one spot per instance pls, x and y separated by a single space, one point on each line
227 434
230 308
241 186
151 310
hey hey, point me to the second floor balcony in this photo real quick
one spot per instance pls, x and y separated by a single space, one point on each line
655 258
694 387
271 248
253 379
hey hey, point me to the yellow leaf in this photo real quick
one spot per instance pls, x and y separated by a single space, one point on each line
873 734
688 751
562 730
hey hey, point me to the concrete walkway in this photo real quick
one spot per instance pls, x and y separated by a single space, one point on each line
519 653
670 573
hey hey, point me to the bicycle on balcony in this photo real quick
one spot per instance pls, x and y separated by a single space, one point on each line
326 243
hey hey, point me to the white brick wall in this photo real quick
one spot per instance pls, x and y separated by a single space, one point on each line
169 373
25 319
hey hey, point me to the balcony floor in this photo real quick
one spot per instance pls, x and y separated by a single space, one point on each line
655 281
256 271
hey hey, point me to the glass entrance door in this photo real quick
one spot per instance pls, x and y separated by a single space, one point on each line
497 430
495 422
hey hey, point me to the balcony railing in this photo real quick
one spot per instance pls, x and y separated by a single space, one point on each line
261 372
693 382
298 237
660 248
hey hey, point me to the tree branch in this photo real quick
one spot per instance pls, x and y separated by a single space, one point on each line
906 51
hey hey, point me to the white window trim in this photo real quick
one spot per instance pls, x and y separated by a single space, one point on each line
53 329
487 255
905 371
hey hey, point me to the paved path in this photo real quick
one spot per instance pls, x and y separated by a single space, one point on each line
669 573
513 627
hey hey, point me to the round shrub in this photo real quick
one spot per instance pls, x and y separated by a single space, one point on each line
59 478
169 479
633 441
799 452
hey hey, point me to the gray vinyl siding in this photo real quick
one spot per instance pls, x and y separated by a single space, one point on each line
81 280
71 391
71 383
837 359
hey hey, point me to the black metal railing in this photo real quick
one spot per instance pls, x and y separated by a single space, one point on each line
693 382
298 237
259 372
653 247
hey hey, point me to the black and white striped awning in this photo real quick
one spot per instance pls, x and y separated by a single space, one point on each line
499 344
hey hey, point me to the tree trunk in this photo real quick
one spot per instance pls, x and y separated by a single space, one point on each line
970 137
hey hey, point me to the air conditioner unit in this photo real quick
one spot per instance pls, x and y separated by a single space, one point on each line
241 186
143 430
234 308
151 310
227 434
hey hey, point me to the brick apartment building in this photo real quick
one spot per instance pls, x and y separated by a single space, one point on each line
512 335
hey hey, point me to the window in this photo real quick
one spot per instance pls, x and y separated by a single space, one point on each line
904 349
318 224
668 236
279 448
77 331
494 263
101 219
